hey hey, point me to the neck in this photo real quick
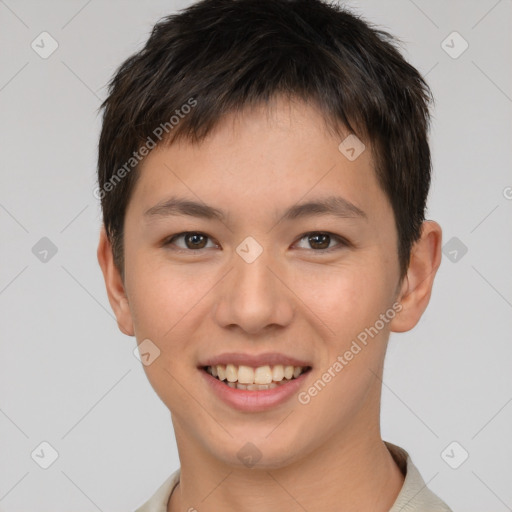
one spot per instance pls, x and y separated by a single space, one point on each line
349 473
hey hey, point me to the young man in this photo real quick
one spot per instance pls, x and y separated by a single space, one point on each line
263 172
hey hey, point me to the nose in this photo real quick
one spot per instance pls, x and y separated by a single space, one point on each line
254 297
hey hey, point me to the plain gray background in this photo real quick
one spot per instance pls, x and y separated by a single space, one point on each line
69 378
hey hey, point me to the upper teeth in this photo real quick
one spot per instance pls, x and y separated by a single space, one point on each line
249 375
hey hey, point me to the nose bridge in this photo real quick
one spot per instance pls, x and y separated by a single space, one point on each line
253 297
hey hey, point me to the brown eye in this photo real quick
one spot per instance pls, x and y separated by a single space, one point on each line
320 241
192 241
195 240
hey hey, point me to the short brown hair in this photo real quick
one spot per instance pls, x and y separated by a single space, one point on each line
220 56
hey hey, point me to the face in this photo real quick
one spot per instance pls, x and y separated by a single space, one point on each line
253 278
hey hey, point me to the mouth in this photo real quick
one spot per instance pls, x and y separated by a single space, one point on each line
260 378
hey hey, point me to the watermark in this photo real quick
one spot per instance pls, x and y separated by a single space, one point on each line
144 150
249 249
507 193
454 455
44 455
351 147
454 249
146 352
305 397
44 250
454 45
249 455
44 45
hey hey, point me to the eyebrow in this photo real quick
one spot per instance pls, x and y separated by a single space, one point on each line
332 205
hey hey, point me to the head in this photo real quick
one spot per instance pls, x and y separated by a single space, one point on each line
245 107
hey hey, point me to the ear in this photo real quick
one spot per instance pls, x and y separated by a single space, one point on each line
417 285
115 286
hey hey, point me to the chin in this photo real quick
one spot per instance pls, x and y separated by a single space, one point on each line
260 451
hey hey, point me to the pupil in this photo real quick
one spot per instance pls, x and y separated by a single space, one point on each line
325 241
193 238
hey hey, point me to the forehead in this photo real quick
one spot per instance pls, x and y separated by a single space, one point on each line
267 155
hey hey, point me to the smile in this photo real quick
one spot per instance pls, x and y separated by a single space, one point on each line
255 379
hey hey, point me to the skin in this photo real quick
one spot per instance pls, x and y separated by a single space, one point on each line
295 299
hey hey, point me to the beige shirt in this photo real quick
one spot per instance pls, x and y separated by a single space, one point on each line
413 497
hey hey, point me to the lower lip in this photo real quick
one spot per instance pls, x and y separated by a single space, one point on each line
254 401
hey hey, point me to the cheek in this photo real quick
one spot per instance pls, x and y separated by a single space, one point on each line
165 303
161 296
349 302
346 298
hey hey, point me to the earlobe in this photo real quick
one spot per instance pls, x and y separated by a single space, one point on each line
417 284
114 285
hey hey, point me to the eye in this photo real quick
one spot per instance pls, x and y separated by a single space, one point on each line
193 241
320 241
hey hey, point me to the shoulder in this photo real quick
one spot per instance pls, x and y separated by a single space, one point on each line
414 496
158 502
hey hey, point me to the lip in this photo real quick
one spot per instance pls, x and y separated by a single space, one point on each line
253 401
255 360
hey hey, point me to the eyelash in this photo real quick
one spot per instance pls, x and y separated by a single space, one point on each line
342 242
